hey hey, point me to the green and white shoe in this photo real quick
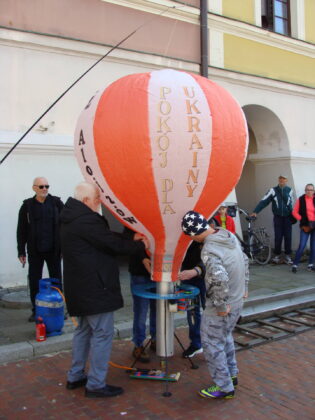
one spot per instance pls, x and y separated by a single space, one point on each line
215 391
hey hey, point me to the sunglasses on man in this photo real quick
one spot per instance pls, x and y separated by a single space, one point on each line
41 187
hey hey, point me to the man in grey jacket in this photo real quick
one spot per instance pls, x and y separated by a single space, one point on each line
226 286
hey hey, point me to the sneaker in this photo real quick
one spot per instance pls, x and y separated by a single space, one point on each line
107 391
294 268
76 384
310 267
215 391
235 381
192 351
140 354
288 260
276 260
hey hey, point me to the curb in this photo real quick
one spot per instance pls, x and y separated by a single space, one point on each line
262 306
266 305
31 349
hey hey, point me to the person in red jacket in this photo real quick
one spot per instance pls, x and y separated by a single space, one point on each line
304 211
224 219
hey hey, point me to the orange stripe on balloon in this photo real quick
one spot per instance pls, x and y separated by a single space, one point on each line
229 147
121 137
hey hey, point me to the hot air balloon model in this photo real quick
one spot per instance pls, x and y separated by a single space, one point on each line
157 145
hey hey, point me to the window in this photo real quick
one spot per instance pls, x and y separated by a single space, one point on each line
275 16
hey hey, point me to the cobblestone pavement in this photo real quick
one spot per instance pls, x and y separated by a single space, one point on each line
276 381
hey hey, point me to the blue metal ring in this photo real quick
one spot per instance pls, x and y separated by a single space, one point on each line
148 291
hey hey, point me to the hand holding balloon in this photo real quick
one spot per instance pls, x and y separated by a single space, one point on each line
147 263
187 274
138 237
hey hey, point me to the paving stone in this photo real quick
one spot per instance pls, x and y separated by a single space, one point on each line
275 381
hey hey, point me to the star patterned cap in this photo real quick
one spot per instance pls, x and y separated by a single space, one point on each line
194 223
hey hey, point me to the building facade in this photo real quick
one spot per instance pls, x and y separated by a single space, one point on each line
261 51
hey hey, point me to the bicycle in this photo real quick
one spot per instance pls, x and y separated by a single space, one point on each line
257 243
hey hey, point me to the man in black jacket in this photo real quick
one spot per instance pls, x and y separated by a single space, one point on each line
38 229
92 288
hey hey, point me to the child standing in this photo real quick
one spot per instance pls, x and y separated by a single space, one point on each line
224 219
226 278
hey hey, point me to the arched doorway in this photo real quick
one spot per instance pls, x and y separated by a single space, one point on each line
268 157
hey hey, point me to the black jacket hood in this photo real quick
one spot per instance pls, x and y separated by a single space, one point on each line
74 209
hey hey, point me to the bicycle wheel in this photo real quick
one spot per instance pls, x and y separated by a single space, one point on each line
260 248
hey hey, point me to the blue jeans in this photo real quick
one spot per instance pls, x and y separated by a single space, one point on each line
194 320
140 311
303 241
283 230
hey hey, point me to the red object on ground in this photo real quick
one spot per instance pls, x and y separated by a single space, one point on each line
40 329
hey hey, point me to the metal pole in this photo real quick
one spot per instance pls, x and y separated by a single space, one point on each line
204 38
164 322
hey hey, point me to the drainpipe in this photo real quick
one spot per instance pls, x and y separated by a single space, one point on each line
204 41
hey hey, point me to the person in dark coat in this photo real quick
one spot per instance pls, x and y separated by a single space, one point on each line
38 230
92 288
281 198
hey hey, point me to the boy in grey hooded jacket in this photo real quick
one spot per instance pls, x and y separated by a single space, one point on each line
226 284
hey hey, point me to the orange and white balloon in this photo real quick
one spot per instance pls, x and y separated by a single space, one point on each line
159 144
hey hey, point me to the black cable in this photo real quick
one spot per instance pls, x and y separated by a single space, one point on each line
63 94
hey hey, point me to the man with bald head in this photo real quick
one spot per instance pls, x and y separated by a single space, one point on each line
38 231
92 288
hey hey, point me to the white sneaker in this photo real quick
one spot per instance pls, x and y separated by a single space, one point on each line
276 259
287 260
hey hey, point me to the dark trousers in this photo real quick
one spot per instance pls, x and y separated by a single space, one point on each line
35 271
194 320
283 230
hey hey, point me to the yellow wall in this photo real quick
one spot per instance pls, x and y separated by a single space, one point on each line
309 20
258 59
239 9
